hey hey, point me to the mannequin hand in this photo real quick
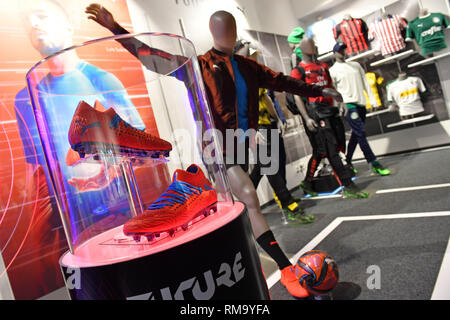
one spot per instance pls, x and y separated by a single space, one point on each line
311 125
260 138
100 15
343 109
282 126
331 93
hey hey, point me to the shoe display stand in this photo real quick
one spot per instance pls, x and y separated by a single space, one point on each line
215 259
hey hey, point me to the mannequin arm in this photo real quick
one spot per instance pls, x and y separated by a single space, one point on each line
153 59
310 123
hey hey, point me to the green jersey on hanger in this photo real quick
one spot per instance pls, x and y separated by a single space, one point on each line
429 32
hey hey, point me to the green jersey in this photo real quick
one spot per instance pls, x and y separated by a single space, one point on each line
429 32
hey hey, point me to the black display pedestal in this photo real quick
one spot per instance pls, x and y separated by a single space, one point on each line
220 265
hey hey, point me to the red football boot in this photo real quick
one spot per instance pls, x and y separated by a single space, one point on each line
92 131
189 196
72 157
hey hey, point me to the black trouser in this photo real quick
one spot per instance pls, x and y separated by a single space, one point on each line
356 119
326 143
278 180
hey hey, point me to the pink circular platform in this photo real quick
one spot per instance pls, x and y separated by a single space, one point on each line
113 246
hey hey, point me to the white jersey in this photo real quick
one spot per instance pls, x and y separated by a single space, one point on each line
405 94
350 81
322 34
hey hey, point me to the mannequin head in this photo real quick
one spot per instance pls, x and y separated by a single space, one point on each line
308 47
295 37
340 52
223 30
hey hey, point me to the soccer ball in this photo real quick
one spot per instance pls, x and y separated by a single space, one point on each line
317 272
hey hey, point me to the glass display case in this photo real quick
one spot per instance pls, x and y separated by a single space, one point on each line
125 138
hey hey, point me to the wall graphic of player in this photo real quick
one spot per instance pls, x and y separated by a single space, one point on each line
70 79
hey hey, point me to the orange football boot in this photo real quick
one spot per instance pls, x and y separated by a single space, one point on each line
93 131
291 282
189 196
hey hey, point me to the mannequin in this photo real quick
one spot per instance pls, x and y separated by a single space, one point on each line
428 31
388 31
404 96
352 32
350 80
294 39
322 123
401 76
322 33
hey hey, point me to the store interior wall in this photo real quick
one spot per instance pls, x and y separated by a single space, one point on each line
190 18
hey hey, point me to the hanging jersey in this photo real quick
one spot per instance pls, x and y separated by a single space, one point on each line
322 34
429 32
315 74
374 82
349 80
353 33
368 103
406 95
389 33
264 116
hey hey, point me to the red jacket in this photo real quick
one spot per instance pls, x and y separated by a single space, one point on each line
218 77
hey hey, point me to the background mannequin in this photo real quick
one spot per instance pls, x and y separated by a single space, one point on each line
294 39
405 94
350 80
388 31
322 33
322 123
354 33
428 31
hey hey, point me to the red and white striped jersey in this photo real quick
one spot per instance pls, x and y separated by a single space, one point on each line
389 33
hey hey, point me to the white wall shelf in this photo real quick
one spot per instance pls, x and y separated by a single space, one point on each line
409 121
363 55
376 113
429 60
393 58
326 56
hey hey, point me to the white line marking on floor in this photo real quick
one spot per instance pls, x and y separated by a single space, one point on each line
406 153
441 288
275 277
332 196
432 186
